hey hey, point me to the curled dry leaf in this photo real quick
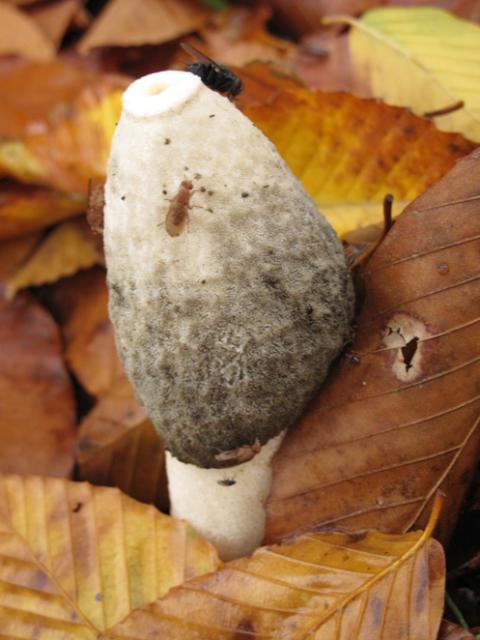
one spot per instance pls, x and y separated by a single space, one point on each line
56 123
239 36
118 446
442 69
69 247
24 209
399 417
21 36
348 152
322 61
55 18
76 559
450 631
37 411
127 23
13 253
319 586
80 304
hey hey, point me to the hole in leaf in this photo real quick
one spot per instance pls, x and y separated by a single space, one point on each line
408 352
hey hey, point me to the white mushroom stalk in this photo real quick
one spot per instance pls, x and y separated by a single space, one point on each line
228 293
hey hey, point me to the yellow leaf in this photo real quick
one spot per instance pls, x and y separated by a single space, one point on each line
67 249
423 58
321 586
56 123
349 153
76 559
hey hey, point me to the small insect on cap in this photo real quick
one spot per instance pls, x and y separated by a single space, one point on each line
229 292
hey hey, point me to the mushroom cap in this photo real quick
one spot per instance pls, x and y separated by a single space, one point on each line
228 327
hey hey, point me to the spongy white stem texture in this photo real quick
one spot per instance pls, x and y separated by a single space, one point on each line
226 506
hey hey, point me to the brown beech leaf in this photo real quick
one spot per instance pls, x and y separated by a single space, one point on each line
24 209
76 559
21 36
69 247
450 631
128 22
56 123
398 417
13 253
348 152
37 411
331 585
55 18
80 304
118 446
239 36
305 16
322 61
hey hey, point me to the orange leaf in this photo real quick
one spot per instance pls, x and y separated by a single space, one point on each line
20 35
56 123
398 418
24 209
80 304
76 559
348 152
118 446
126 23
320 586
66 249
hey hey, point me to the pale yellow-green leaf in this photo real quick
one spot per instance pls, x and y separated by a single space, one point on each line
423 58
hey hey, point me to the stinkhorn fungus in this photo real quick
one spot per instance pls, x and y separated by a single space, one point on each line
229 295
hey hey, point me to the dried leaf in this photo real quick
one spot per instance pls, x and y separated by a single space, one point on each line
118 446
21 36
348 152
128 23
320 586
80 304
450 631
13 253
37 412
437 53
322 61
240 36
56 123
24 209
68 248
398 419
76 559
54 19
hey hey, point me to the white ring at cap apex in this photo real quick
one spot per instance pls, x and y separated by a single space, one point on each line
159 92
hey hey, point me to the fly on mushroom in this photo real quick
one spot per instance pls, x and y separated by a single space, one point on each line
214 75
177 213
